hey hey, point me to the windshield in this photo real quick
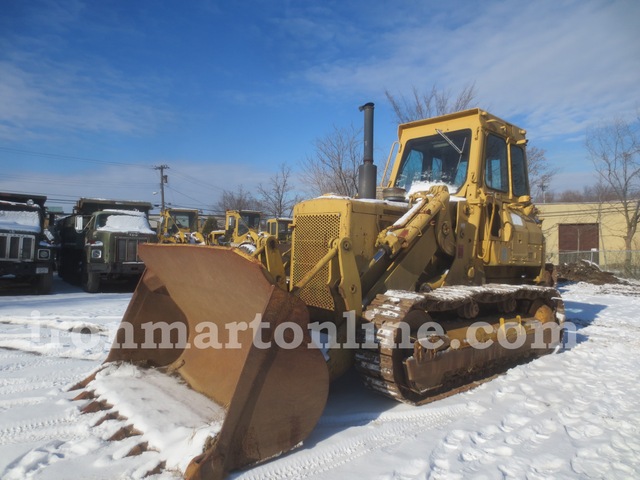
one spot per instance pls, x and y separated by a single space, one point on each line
251 220
283 227
185 220
123 222
439 159
15 218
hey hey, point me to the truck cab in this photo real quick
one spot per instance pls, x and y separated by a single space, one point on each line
26 253
99 241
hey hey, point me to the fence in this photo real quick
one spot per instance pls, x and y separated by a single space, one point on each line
614 261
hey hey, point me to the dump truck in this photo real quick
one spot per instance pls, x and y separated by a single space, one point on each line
100 240
26 247
436 286
179 225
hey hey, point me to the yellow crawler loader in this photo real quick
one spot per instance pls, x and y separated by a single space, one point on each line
241 230
179 225
280 228
433 287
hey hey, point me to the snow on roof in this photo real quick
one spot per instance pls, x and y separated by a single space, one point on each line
18 204
135 213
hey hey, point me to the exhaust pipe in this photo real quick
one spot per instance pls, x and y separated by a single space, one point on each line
367 172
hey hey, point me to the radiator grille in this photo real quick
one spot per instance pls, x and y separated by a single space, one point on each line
127 250
17 247
311 239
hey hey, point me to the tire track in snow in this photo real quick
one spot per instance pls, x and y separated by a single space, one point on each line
31 359
9 386
382 432
56 427
21 402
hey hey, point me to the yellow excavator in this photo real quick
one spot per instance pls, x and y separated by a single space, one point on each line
433 287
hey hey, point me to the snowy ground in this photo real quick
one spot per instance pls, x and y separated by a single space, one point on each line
569 415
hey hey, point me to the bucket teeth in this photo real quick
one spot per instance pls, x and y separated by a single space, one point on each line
83 383
85 395
109 416
139 449
124 432
96 406
157 470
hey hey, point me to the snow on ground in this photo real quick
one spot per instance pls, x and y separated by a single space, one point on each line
572 414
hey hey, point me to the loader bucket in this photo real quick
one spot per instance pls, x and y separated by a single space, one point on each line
272 394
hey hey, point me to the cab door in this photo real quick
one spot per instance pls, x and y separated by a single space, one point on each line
496 180
510 236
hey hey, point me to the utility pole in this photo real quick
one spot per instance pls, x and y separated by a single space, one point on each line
163 180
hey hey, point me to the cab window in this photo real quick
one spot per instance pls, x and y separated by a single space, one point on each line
438 159
519 172
496 166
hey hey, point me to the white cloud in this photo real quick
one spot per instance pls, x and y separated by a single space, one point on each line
40 96
558 65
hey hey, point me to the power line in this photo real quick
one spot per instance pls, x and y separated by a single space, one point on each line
76 183
184 194
69 157
197 181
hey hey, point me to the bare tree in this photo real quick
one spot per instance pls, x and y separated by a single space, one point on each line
430 104
597 193
600 192
333 168
614 149
540 173
239 199
276 197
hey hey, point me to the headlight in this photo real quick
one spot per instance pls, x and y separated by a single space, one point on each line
44 254
96 253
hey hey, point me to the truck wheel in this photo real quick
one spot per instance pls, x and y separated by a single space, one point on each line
90 281
43 283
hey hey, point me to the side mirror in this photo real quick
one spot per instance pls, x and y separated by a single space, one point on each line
79 223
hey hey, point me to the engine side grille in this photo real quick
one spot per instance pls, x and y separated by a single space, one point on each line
17 247
311 239
127 250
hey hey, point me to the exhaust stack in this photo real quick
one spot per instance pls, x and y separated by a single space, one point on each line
367 172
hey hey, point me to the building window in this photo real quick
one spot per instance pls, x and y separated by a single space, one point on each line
578 241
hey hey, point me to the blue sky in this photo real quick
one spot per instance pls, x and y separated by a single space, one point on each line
93 94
